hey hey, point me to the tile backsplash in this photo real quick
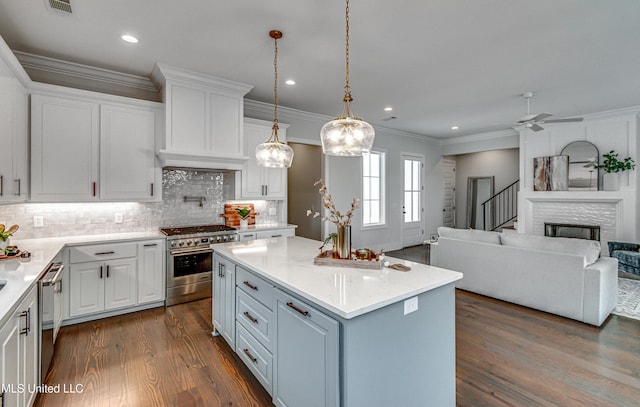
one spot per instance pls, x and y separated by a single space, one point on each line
68 219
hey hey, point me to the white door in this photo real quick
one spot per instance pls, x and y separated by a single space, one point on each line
413 200
449 186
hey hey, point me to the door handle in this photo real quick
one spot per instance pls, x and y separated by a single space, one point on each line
152 189
107 271
304 313
18 181
100 271
1 187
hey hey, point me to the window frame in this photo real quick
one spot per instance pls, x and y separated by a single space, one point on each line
382 175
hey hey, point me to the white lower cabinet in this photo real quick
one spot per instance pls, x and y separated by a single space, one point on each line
102 285
265 234
224 283
19 354
151 275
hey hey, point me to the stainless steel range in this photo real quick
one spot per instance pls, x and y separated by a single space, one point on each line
190 260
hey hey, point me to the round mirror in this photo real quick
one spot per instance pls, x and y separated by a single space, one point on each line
583 162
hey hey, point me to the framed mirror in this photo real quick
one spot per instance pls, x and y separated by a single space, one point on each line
479 189
583 162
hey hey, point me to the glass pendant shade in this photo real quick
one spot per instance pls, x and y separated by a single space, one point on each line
347 137
274 153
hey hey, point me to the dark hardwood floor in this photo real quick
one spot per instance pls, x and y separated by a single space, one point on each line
507 355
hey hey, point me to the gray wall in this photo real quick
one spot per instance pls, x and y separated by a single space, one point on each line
504 165
302 195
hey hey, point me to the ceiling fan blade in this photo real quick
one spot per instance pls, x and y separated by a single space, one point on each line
534 117
569 120
535 127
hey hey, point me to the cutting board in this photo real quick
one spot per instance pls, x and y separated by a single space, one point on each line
231 217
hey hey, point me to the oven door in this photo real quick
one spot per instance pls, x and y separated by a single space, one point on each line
189 266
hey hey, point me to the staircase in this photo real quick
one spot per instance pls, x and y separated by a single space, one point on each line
501 210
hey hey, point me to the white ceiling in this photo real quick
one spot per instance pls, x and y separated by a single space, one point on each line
439 63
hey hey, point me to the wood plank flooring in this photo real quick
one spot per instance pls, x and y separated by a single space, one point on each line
507 355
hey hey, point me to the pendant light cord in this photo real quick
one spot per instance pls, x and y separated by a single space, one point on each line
347 88
275 84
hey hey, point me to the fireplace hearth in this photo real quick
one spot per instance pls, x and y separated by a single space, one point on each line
588 232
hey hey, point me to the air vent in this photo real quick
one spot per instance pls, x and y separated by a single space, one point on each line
63 6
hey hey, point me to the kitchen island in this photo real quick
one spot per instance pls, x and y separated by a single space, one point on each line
334 336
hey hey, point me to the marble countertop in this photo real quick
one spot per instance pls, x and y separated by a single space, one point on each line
22 275
346 292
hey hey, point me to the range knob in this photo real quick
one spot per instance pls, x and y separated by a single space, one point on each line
189 242
225 238
173 244
180 244
218 238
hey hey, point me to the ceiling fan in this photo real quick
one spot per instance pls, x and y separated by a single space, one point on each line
534 121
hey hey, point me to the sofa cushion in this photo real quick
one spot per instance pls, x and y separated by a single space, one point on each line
482 236
588 249
627 257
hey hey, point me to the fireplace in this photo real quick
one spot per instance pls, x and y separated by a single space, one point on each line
588 232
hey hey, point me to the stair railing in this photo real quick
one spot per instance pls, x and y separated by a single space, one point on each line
501 208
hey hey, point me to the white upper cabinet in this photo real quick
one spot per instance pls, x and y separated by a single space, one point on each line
64 149
204 119
84 150
261 182
14 181
128 167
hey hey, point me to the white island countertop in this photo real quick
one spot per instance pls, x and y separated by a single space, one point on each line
345 292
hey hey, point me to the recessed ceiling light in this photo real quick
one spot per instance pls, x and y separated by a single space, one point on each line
290 82
129 38
454 127
388 109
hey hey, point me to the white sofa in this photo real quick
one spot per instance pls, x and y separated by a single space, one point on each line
557 275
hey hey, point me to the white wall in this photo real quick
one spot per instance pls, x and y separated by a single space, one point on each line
343 174
504 165
614 130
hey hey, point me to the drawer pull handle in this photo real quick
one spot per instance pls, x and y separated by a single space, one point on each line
249 317
150 244
305 313
249 355
248 284
249 235
103 253
276 235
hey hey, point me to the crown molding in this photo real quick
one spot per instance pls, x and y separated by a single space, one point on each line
625 111
480 137
75 70
162 73
254 106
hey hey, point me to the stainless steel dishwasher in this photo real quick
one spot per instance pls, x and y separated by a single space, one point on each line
49 291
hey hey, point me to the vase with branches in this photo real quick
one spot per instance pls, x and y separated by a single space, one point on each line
342 220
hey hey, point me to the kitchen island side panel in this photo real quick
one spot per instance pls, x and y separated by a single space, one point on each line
392 359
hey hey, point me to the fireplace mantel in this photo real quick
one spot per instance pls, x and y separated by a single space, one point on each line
576 196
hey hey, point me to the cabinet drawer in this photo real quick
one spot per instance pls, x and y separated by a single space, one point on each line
255 286
258 359
267 234
255 317
248 236
81 254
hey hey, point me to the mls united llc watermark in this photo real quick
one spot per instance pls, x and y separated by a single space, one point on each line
42 388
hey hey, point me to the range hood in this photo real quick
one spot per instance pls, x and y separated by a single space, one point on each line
204 119
184 159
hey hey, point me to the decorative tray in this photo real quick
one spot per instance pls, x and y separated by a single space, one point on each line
326 258
13 256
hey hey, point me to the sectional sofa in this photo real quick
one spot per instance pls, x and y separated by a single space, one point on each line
561 276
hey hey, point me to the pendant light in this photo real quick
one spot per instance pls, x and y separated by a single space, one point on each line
347 135
273 152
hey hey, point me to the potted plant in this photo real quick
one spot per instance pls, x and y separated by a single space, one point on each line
612 166
244 216
5 236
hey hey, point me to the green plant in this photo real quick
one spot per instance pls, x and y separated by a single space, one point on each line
243 212
7 233
612 164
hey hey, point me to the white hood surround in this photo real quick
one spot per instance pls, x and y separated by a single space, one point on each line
204 119
616 212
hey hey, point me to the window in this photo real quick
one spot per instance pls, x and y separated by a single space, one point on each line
373 189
